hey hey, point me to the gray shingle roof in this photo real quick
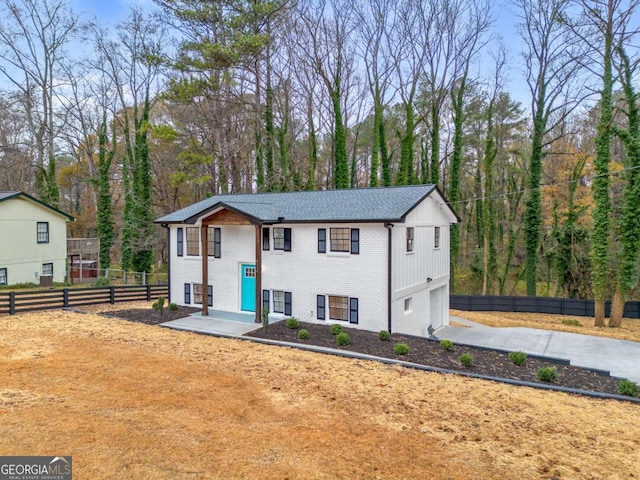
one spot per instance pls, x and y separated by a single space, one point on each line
366 204
9 195
5 195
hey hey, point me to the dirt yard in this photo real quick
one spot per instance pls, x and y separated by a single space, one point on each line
129 400
630 329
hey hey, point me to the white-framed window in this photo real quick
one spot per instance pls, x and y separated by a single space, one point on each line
42 229
338 308
47 269
3 276
436 237
408 305
410 236
278 301
278 238
193 241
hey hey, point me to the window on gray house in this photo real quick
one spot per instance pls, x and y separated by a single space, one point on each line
42 229
47 269
436 237
3 276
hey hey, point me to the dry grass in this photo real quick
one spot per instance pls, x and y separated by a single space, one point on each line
630 329
134 401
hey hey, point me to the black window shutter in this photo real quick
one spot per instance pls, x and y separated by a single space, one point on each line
287 239
287 303
265 238
217 238
180 242
265 300
210 295
353 310
320 307
322 240
355 241
187 293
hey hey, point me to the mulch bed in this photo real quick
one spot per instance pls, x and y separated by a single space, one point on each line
429 352
422 351
150 316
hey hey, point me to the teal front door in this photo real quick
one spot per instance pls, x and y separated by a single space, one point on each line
248 286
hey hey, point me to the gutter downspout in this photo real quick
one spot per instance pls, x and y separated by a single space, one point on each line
166 225
389 226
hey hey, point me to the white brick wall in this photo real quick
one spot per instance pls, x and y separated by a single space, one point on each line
306 273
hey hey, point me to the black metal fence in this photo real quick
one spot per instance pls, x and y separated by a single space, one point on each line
559 306
28 301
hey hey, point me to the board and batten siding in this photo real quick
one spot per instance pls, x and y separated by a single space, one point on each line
421 277
20 253
306 273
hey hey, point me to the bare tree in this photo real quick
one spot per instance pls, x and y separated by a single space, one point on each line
33 38
551 71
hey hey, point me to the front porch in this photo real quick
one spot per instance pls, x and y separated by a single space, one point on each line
218 322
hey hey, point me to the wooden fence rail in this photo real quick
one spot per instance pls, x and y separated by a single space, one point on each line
558 306
19 302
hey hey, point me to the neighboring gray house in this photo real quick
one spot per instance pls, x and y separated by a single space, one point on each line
374 258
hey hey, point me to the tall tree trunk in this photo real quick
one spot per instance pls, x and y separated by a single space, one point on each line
617 307
435 143
405 169
533 210
456 162
375 150
341 165
600 236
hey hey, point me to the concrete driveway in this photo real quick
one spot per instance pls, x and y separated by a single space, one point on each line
620 357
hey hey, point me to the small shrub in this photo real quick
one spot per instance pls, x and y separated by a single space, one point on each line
101 282
628 388
303 334
336 329
173 307
518 358
466 359
291 323
384 336
547 374
159 305
446 345
571 322
401 348
343 339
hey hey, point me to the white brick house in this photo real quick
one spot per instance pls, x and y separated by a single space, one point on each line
376 259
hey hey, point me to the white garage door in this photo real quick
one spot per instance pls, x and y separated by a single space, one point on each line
437 306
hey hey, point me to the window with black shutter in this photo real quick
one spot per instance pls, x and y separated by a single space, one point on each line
187 293
265 238
217 243
320 307
265 300
355 241
210 295
180 242
353 310
322 240
287 303
287 239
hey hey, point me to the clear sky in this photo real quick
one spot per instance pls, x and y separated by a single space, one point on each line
107 10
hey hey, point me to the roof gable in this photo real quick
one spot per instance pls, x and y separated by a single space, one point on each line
390 204
24 196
